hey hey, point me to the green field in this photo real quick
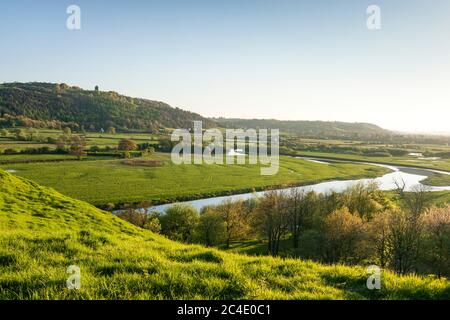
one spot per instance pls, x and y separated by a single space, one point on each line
438 180
43 232
441 164
440 198
31 158
92 139
103 182
34 157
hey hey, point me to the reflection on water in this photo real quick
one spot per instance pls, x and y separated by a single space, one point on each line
405 176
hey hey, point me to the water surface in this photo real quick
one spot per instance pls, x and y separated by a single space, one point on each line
407 176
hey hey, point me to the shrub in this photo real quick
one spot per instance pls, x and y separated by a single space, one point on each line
127 145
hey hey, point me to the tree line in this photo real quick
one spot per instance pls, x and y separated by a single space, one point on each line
362 225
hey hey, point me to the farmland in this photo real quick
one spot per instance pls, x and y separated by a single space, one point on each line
110 181
437 164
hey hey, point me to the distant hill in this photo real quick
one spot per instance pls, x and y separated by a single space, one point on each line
311 129
55 105
91 109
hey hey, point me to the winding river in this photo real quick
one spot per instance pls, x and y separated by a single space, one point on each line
408 176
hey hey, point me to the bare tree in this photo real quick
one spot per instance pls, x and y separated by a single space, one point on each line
404 239
418 199
400 186
297 206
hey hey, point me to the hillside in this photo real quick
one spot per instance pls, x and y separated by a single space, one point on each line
312 129
53 105
91 110
43 232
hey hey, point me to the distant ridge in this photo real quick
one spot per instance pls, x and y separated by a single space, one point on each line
53 105
330 129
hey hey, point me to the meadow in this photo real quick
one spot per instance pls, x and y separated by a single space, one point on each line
111 181
438 180
43 232
17 158
408 161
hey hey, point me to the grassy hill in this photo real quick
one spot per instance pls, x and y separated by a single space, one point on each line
93 110
43 232
323 129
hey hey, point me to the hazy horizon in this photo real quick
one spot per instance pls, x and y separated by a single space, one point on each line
284 60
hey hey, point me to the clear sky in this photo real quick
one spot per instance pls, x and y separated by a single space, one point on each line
296 60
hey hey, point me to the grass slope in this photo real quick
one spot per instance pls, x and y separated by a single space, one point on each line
102 182
43 232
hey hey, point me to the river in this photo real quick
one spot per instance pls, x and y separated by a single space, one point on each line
408 176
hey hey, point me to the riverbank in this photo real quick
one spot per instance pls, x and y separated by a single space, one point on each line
106 182
408 177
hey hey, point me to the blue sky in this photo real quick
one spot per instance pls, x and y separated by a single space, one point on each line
297 60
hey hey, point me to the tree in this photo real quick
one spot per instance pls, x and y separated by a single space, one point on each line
418 200
127 145
32 133
149 151
18 133
134 216
404 238
67 131
111 130
141 218
61 143
437 240
415 201
344 234
165 144
379 233
4 133
96 88
232 213
77 144
298 206
153 223
15 131
271 219
211 229
179 222
365 199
